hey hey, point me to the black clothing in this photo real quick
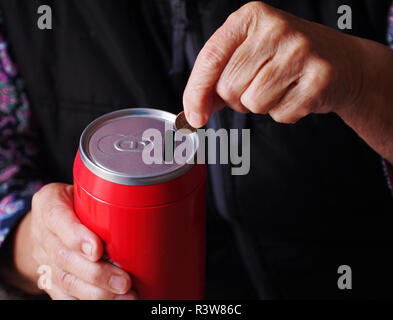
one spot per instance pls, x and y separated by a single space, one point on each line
315 198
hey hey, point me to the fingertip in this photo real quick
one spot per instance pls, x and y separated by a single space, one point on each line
197 105
196 119
119 283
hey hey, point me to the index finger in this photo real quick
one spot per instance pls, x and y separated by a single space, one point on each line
200 99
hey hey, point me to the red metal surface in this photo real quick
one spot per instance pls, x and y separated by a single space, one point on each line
156 232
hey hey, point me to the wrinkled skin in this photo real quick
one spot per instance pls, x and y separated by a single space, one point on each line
51 235
265 61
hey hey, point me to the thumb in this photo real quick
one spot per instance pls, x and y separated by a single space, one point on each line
200 99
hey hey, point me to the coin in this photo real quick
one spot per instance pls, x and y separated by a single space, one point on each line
181 123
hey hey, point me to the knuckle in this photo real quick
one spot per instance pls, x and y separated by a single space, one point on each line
323 75
303 43
234 16
249 101
299 49
62 257
282 26
228 91
97 274
254 108
276 30
286 114
68 281
51 214
278 27
44 200
55 215
212 55
247 16
252 7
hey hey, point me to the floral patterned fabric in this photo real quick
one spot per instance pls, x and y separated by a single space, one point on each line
17 146
388 167
390 30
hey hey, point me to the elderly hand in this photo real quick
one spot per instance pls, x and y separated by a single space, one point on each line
264 60
52 235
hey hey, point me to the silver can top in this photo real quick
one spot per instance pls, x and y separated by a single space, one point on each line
112 147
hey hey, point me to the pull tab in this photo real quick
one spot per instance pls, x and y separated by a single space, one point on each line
130 144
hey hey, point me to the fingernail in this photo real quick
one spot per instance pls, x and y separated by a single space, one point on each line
117 283
196 119
87 248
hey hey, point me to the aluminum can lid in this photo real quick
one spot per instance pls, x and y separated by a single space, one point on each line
114 147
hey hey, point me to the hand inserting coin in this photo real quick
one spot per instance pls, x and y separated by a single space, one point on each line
181 124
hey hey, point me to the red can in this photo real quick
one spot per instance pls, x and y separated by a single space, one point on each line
151 217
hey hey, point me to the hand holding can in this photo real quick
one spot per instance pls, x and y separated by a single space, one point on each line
55 251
